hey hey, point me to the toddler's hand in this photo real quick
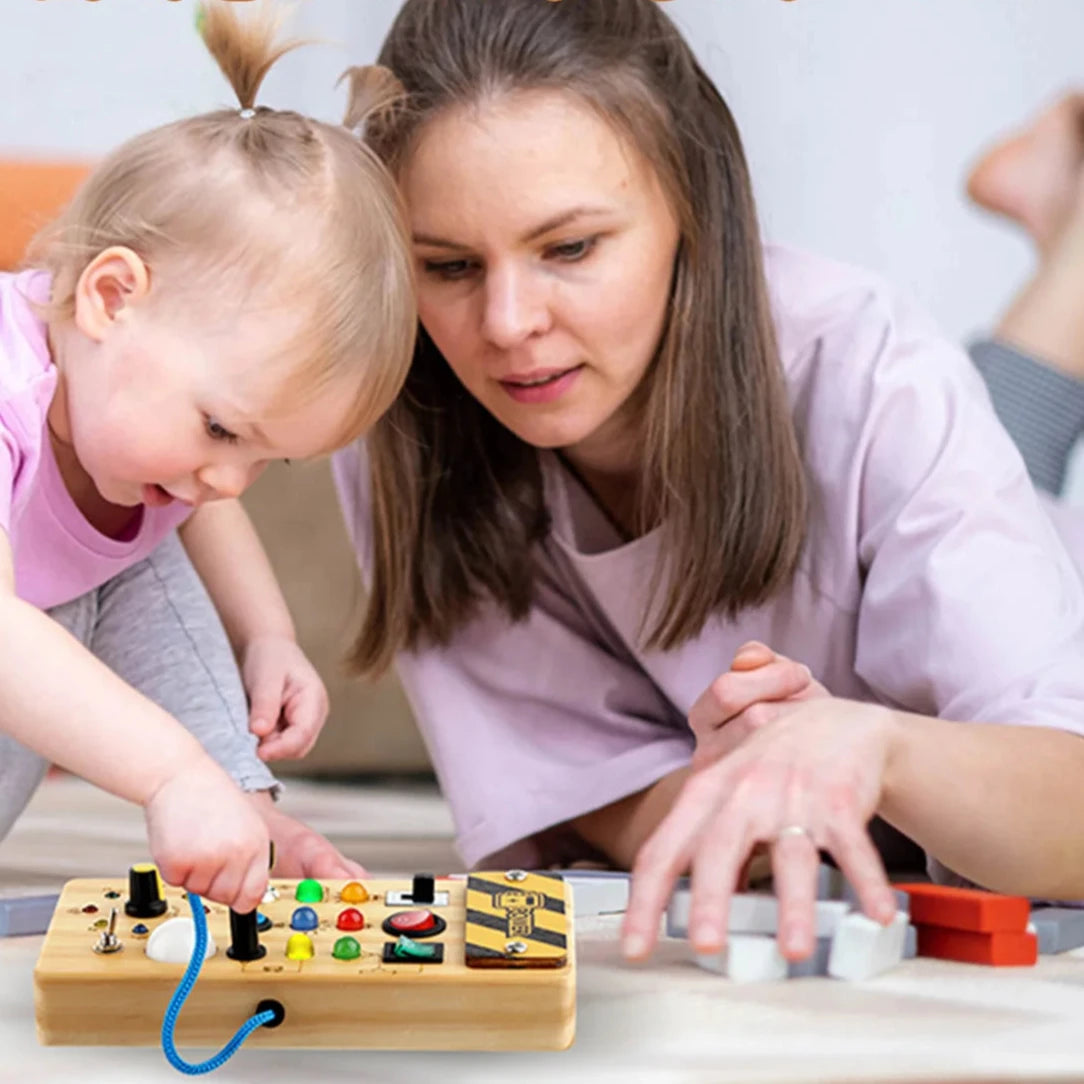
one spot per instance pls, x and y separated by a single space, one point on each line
287 700
206 837
299 851
745 698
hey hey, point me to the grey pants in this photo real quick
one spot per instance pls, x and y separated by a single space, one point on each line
155 626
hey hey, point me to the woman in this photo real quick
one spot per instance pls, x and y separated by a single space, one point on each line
634 447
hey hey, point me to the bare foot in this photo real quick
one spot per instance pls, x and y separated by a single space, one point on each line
1035 176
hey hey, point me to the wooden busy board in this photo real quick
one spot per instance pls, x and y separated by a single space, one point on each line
517 994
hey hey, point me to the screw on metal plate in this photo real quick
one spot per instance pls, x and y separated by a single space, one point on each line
515 875
108 941
515 948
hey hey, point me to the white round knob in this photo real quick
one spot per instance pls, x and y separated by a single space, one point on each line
174 940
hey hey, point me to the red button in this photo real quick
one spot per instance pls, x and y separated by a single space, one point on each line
413 921
350 919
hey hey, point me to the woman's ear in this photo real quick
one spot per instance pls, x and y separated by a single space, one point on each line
110 284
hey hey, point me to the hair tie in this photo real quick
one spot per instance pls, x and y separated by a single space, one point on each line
247 113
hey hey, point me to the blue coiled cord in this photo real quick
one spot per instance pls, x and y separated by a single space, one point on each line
169 1022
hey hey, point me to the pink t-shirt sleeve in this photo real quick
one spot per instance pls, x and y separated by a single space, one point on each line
532 723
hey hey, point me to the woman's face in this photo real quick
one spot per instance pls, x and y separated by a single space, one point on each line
545 250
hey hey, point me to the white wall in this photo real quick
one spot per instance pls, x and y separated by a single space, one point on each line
860 116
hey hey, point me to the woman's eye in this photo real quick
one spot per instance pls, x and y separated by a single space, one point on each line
219 432
449 269
572 251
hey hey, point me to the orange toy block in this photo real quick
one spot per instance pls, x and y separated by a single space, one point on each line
969 909
1003 949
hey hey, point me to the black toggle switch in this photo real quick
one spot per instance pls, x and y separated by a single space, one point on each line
424 888
244 938
144 899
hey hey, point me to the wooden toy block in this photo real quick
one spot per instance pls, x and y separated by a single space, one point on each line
1004 948
746 958
482 964
1058 929
966 909
752 912
862 948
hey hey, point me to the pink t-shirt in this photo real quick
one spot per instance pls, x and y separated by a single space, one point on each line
932 580
58 554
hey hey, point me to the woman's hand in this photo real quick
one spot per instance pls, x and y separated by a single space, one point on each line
745 698
810 780
288 703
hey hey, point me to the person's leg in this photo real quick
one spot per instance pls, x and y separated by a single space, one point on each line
21 769
1034 364
1033 177
158 629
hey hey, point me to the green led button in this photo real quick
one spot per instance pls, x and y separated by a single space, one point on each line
346 948
310 891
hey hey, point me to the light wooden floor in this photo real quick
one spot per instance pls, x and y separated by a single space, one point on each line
669 1021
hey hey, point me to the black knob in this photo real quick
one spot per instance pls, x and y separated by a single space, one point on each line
423 890
244 938
144 898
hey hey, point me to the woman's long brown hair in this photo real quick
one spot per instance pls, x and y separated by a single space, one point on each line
457 501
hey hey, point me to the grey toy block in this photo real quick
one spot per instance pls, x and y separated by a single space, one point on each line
903 901
26 914
1058 929
910 943
817 964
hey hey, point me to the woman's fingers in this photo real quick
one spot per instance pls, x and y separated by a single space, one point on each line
751 655
856 855
664 857
794 875
737 690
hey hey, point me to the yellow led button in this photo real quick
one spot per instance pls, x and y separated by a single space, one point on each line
299 947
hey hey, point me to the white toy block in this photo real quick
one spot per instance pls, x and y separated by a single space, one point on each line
597 895
1058 929
863 948
746 958
752 912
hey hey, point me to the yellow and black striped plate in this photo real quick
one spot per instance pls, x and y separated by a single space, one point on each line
516 919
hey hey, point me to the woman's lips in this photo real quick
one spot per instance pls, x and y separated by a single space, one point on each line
542 385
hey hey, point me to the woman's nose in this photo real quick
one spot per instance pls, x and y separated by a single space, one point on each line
516 307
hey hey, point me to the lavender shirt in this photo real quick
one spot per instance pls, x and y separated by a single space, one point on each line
58 555
932 580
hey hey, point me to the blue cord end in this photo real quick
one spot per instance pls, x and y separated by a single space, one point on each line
269 1013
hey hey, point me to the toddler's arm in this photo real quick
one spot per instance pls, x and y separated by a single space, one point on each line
59 700
287 699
